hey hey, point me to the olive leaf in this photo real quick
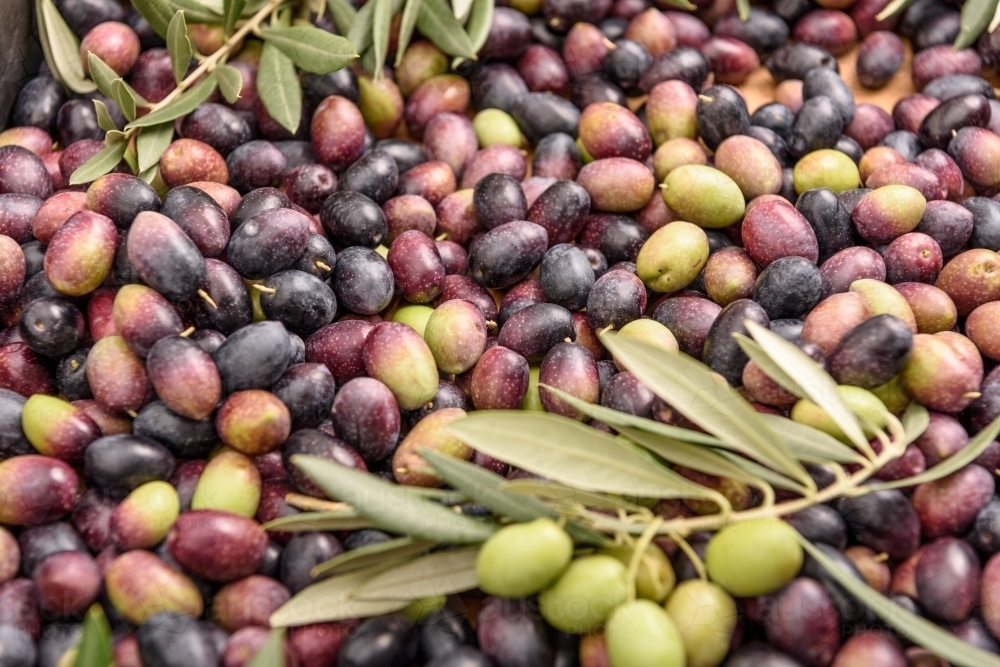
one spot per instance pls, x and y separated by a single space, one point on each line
915 421
922 632
272 653
480 20
441 573
152 142
811 445
573 453
312 49
437 22
200 11
94 649
406 25
182 105
390 508
976 16
363 557
707 400
231 11
61 48
131 157
460 9
278 87
102 74
816 383
563 496
766 474
343 13
995 21
381 25
150 175
104 120
487 488
100 164
309 521
124 99
360 32
892 8
950 465
757 355
230 82
113 137
332 600
157 12
179 46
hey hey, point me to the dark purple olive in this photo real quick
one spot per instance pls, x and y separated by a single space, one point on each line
299 300
566 276
683 64
947 579
198 215
499 380
253 357
722 113
362 281
882 520
540 114
939 126
268 242
533 331
374 175
416 266
561 210
498 199
164 257
255 164
367 418
720 352
794 60
556 156
689 319
818 124
803 622
506 254
763 30
497 86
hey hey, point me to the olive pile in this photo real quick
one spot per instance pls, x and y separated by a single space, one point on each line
348 293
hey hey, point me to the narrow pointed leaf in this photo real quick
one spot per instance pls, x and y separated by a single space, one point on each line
460 9
310 48
357 559
572 453
104 120
150 175
817 384
409 21
95 644
810 445
915 421
976 16
309 521
102 74
272 653
123 96
131 157
360 32
757 355
563 495
368 61
892 8
343 13
616 420
995 21
113 137
333 600
681 4
697 458
180 106
152 142
232 9
442 573
381 25
179 46
766 474
707 400
62 48
438 24
480 20
922 632
952 464
157 12
99 165
230 82
391 509
487 488
200 11
278 88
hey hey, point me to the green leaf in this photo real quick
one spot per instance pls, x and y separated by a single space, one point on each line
381 25
150 174
230 82
766 474
915 421
953 463
95 644
460 9
995 21
573 453
892 8
757 355
922 632
743 7
200 11
360 32
708 401
441 573
131 157
333 600
309 521
390 508
811 445
563 496
272 653
182 105
343 13
681 4
157 12
976 15
278 87
151 143
364 557
231 10
409 21
61 48
310 48
100 164
487 488
368 61
697 458
113 137
179 46
124 98
436 21
102 74
816 383
104 120
480 20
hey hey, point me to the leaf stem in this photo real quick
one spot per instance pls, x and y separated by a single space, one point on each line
637 554
685 546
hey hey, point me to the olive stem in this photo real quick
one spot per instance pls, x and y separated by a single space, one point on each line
638 552
323 266
685 546
263 288
207 299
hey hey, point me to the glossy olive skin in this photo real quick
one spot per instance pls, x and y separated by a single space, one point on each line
721 353
201 218
268 242
536 329
506 254
253 357
164 257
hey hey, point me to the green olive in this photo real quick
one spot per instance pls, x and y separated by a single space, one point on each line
703 195
585 595
642 634
705 616
861 402
522 559
655 578
672 257
414 316
752 558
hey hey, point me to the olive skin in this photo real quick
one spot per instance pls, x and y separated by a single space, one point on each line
720 352
506 254
776 562
522 559
125 462
597 581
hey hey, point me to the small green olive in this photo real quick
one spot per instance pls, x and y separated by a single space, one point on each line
655 578
672 257
642 634
414 316
522 559
752 558
705 616
585 595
